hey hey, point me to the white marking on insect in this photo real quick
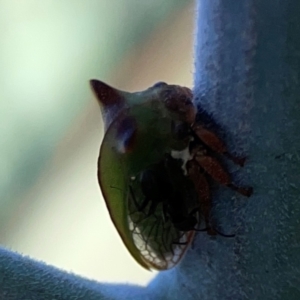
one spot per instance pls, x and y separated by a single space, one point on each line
184 155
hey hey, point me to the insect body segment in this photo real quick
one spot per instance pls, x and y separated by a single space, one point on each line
153 170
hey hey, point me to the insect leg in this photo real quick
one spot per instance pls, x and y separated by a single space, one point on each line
214 143
202 189
214 231
219 174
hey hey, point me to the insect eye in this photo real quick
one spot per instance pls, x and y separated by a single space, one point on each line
159 84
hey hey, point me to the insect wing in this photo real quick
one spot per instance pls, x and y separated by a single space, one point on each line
159 242
115 192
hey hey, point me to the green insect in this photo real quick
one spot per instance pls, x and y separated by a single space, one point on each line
153 167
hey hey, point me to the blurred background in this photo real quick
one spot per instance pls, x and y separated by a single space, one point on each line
51 206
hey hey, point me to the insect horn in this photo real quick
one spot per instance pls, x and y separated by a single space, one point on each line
111 100
106 95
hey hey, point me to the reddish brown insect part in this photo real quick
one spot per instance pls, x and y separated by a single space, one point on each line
178 99
209 138
214 143
202 188
214 169
219 174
